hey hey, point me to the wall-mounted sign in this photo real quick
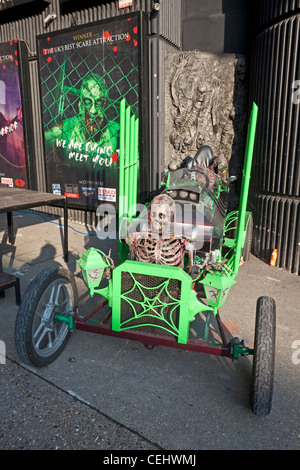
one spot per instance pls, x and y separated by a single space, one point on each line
85 72
125 3
14 115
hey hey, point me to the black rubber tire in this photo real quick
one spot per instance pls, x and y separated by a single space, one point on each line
264 356
28 317
248 240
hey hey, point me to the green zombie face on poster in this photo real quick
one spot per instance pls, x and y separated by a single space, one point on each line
93 99
89 138
85 73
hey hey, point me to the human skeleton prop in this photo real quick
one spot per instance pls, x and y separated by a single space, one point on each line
157 244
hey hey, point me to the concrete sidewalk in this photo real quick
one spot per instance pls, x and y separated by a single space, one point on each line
109 393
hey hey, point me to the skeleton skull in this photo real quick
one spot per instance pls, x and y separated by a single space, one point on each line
162 213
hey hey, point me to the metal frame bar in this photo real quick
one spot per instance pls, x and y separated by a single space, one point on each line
150 341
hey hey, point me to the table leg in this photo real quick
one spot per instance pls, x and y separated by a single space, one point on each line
18 291
66 241
10 228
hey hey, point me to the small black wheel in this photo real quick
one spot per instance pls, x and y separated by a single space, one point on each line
248 239
39 338
264 356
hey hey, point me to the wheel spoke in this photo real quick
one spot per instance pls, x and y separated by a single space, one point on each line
57 289
43 332
37 332
50 344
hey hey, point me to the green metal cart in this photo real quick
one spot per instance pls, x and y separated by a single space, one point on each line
155 303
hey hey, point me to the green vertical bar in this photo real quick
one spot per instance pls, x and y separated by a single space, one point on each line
131 162
116 300
121 160
245 186
184 322
127 160
136 163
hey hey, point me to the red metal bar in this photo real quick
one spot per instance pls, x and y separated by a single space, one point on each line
197 345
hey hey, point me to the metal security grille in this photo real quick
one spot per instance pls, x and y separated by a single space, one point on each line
150 303
277 225
274 198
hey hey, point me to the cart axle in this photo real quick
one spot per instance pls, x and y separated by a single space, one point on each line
238 349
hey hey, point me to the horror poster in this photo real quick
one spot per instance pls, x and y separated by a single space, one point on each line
13 168
85 72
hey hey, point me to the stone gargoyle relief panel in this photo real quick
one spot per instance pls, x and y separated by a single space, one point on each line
205 104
